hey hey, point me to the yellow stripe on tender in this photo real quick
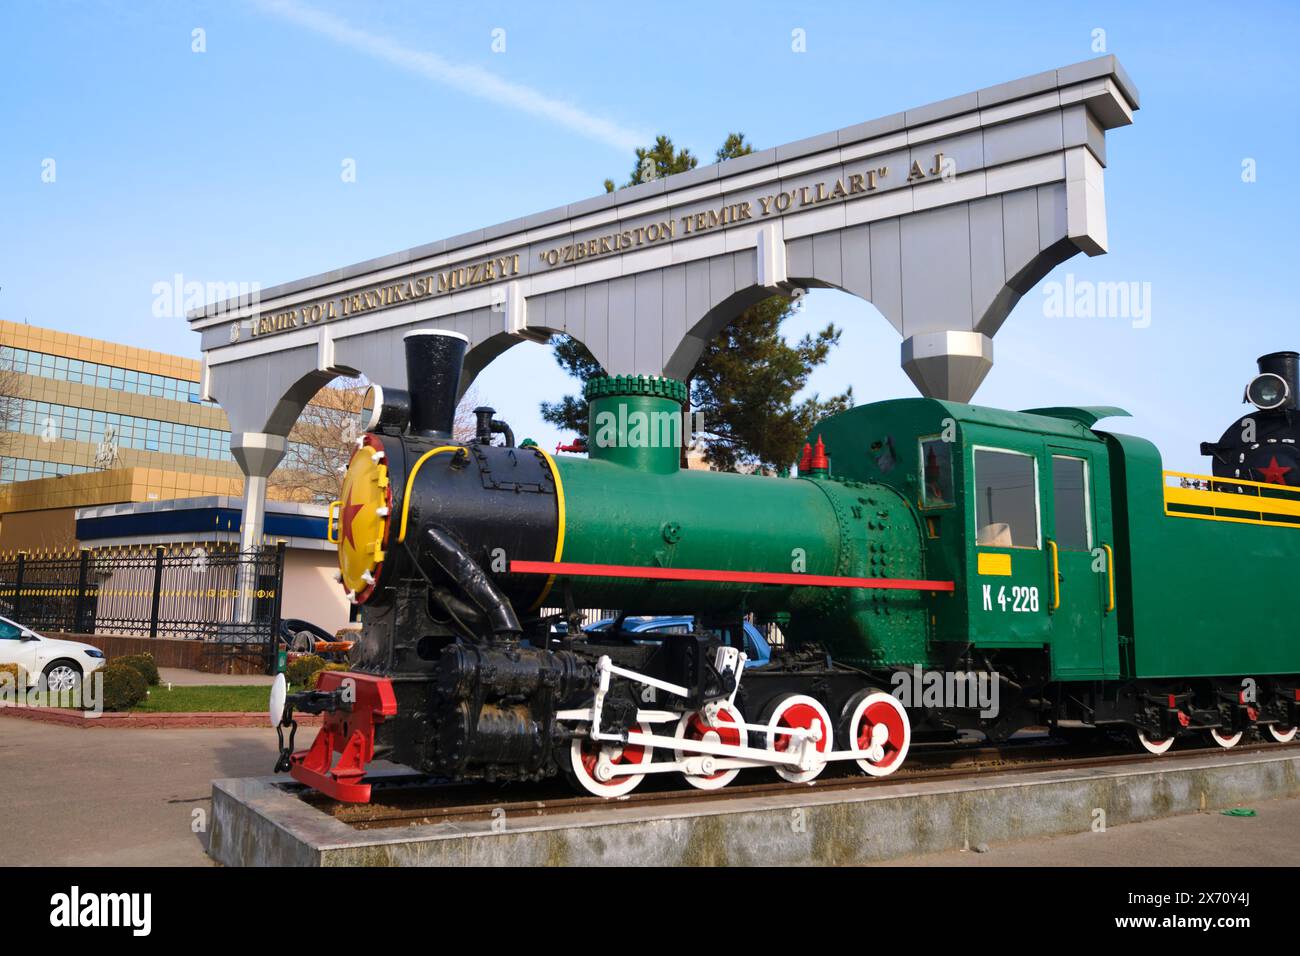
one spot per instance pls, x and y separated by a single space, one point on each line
1227 501
1211 479
994 564
559 524
1258 508
1256 521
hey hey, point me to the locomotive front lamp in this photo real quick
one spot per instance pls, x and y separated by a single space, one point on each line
1268 391
279 697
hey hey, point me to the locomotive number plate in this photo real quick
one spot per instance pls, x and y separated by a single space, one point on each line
1017 598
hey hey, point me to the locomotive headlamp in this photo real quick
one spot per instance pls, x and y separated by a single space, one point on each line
279 696
385 410
1268 391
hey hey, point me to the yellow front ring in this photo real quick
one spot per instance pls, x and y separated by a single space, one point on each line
559 507
410 483
559 524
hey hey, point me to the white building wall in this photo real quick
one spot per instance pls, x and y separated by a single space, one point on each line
310 590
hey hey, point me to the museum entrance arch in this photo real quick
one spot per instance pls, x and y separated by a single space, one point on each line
941 216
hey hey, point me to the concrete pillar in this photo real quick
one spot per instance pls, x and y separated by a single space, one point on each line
257 454
948 365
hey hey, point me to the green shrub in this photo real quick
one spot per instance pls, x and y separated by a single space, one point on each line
124 687
300 671
315 677
143 663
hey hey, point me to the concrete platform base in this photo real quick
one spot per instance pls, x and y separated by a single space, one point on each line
262 822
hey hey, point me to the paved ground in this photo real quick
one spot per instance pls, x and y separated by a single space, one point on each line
71 797
1197 839
127 797
188 678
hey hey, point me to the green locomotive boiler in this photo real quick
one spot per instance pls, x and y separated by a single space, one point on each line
934 567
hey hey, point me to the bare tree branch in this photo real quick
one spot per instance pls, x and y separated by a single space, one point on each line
10 399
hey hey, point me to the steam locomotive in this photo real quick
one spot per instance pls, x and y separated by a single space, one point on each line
1261 445
925 548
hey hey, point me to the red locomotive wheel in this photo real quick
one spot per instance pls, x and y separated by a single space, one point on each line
726 730
878 723
1154 745
1226 741
798 711
1283 735
584 760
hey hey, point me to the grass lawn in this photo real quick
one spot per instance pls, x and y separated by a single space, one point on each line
207 699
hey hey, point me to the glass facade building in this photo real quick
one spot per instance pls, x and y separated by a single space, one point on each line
61 368
71 405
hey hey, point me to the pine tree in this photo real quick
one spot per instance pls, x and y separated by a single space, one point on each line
744 383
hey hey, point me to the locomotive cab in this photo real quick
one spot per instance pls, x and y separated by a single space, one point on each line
1016 508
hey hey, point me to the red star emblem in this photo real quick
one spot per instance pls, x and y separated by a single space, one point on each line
1275 474
350 511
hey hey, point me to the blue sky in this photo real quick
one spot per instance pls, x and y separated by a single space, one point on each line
225 165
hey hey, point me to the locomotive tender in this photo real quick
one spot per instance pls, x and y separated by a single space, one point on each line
1026 548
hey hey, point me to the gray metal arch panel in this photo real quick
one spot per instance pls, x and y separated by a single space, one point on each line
939 258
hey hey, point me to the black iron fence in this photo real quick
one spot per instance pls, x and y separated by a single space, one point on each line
209 592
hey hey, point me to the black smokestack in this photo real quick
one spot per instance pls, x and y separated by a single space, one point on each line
433 363
1285 365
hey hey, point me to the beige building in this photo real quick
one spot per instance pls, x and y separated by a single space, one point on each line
89 422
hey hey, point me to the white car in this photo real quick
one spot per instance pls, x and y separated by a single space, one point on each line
57 665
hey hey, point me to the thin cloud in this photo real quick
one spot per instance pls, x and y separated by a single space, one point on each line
468 79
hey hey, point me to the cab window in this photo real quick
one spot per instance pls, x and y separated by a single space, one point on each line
936 473
10 631
1070 504
1006 499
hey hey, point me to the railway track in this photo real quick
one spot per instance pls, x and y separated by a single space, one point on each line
422 803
